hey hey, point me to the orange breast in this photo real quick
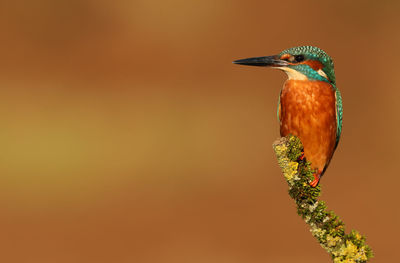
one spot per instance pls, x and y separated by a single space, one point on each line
308 110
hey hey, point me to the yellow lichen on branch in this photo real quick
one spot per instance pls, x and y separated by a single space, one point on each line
325 225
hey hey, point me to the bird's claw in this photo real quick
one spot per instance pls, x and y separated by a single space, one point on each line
315 182
301 157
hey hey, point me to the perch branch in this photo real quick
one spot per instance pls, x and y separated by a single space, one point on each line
325 225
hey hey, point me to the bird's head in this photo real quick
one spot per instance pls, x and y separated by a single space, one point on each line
301 63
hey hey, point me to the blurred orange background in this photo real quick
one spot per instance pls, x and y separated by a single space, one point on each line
127 135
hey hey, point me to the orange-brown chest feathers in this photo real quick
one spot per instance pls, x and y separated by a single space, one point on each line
308 110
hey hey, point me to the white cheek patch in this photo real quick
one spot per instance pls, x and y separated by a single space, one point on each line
322 73
293 74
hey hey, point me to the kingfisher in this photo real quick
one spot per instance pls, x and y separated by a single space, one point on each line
310 104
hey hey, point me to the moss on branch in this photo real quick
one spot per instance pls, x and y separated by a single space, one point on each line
325 225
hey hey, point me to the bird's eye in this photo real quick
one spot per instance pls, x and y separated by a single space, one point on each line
299 58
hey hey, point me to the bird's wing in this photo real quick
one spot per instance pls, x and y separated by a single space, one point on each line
339 115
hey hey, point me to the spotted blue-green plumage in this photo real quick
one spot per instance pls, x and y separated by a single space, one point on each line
339 115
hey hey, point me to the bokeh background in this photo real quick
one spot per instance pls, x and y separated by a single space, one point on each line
127 135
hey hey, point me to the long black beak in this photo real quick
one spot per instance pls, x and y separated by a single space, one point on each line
270 61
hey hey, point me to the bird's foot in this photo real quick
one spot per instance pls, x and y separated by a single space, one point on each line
315 182
301 157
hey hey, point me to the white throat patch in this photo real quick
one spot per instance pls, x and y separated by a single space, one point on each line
293 74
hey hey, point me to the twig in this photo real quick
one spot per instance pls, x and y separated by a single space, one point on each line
325 225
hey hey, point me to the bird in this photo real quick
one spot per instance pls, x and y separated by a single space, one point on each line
310 105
